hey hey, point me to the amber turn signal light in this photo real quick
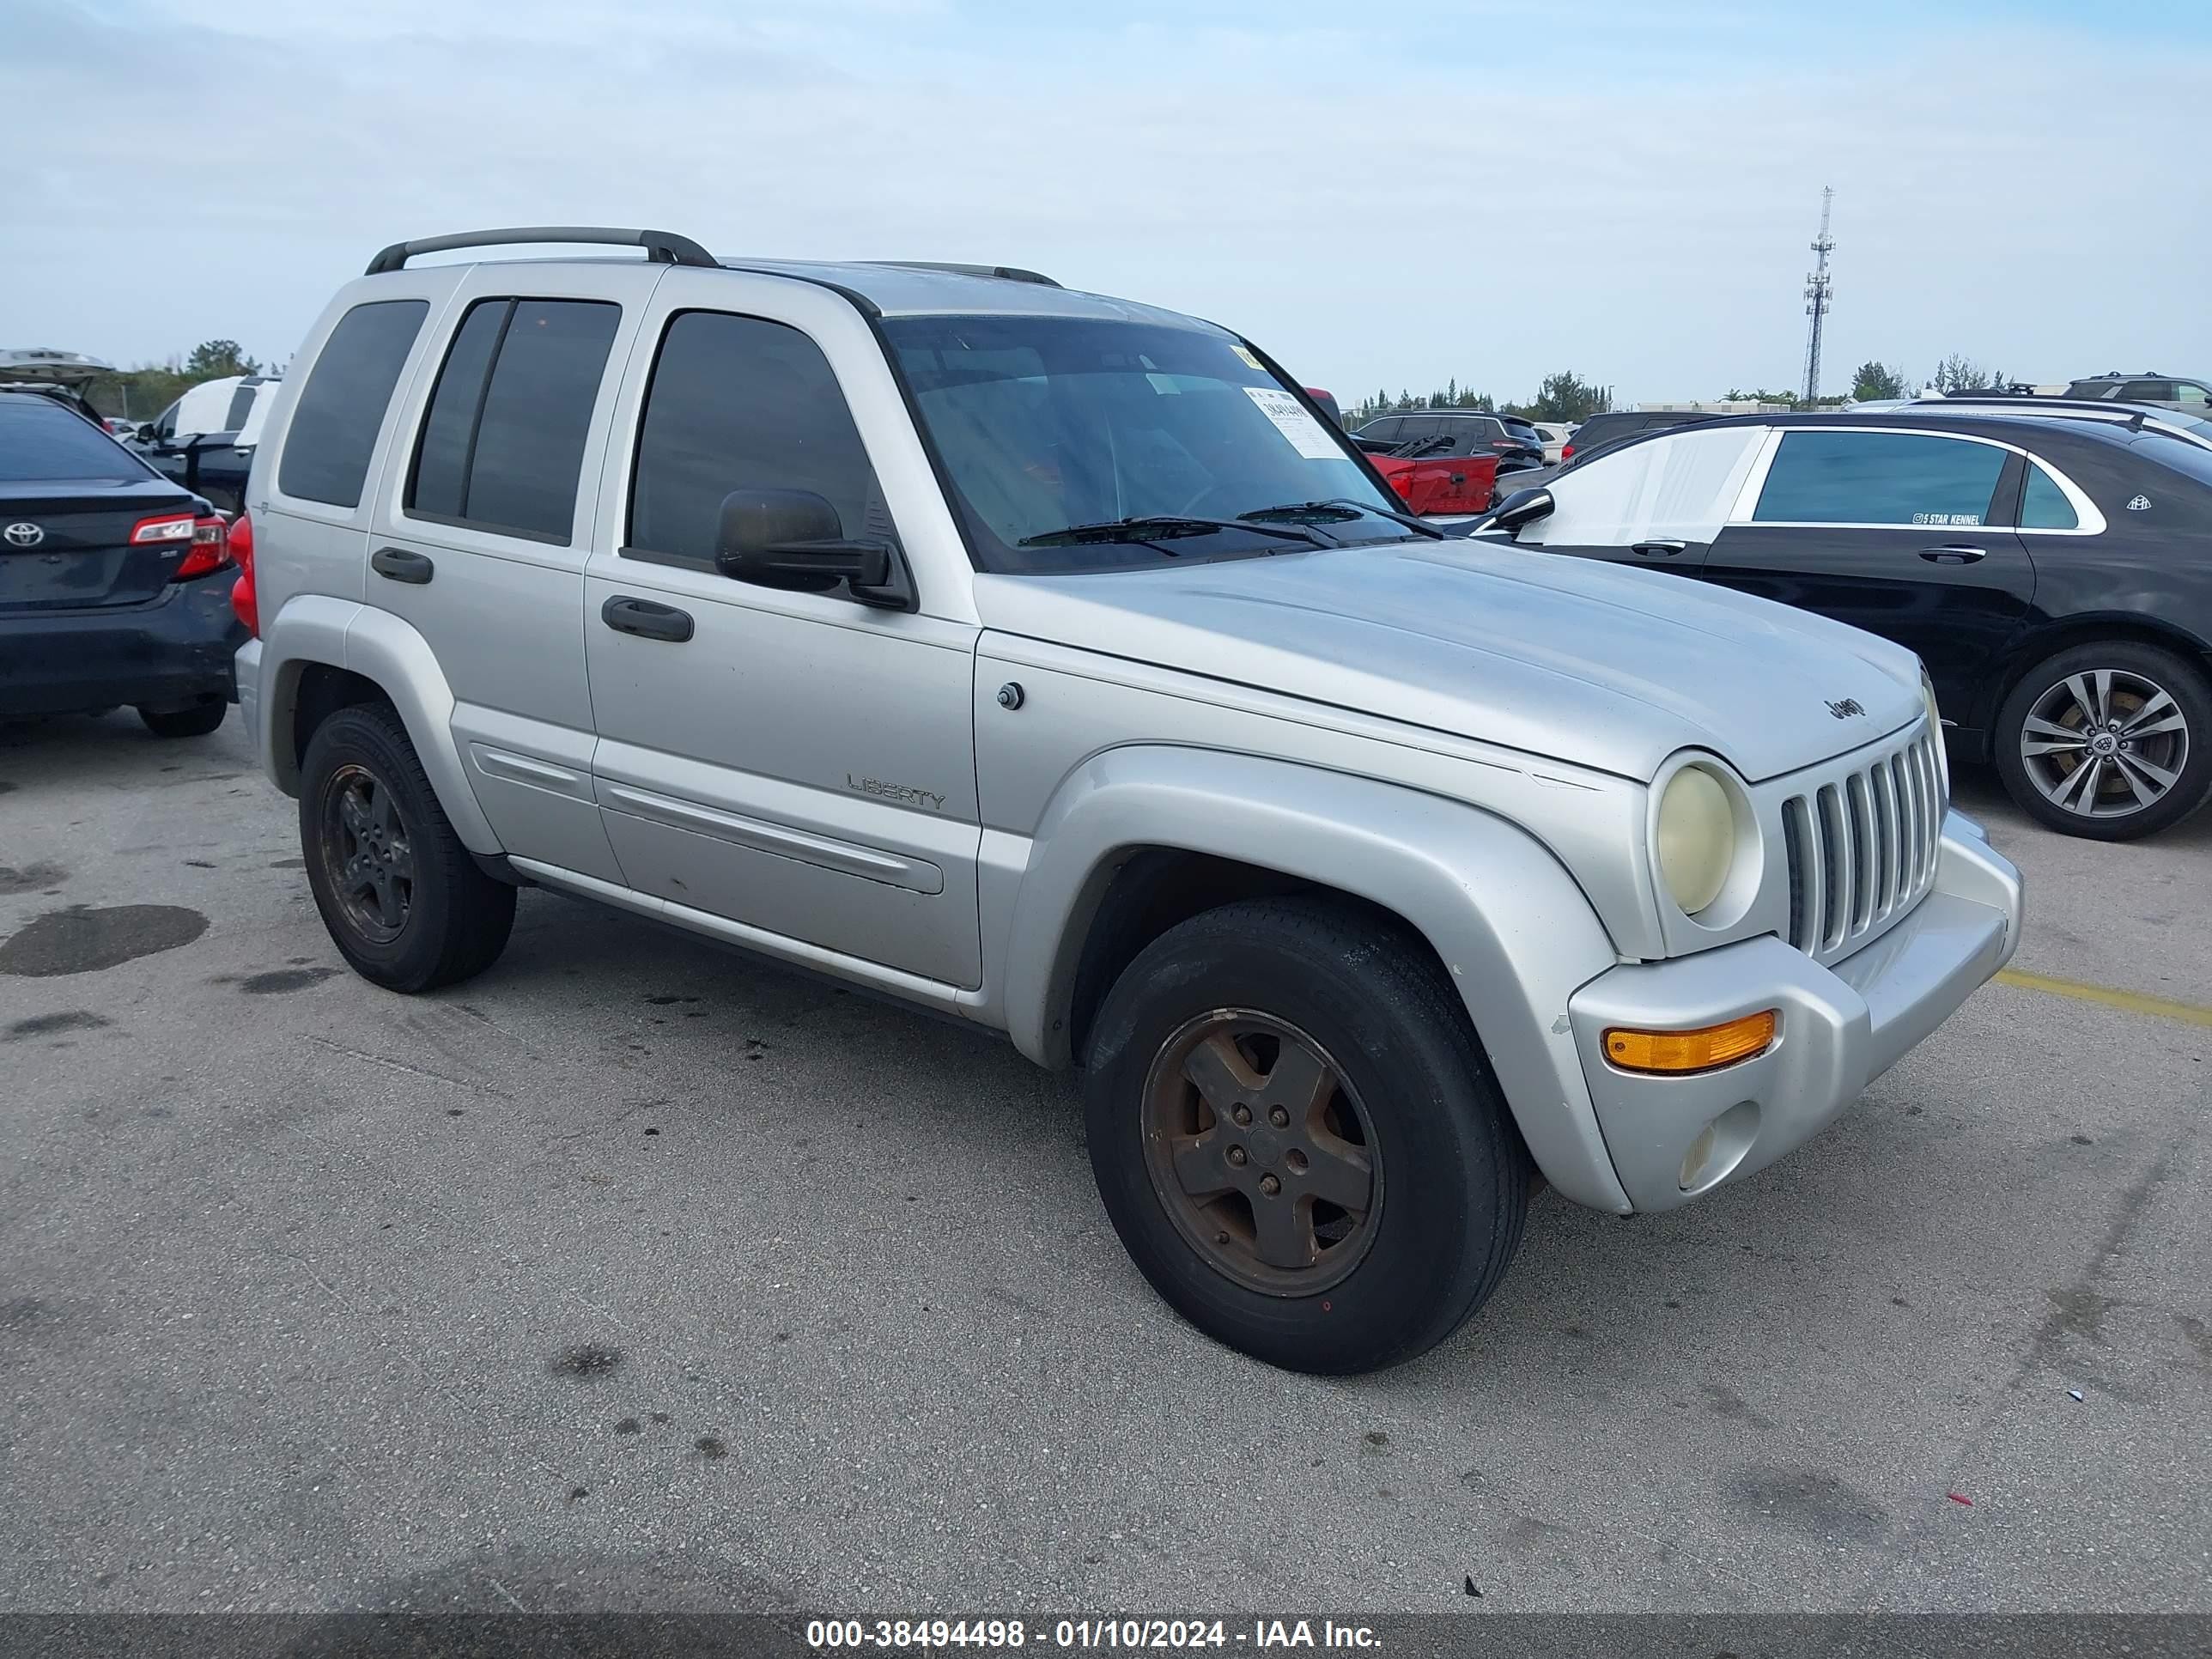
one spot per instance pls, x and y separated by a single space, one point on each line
1674 1052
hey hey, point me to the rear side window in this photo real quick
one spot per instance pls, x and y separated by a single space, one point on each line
737 403
1879 478
2148 391
503 442
335 422
2044 505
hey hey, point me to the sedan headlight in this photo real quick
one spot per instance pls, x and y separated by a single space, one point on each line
1935 730
1697 836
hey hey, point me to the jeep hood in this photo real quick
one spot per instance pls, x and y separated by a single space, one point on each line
1586 662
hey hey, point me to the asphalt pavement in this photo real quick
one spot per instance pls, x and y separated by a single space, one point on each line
637 1275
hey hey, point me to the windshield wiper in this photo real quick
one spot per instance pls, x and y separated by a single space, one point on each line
1346 506
1162 525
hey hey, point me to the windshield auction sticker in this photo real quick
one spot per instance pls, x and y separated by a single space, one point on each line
1300 429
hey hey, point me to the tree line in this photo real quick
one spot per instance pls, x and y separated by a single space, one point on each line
140 393
1563 397
1568 398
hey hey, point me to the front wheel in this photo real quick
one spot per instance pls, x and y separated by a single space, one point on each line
405 903
2108 741
1296 1133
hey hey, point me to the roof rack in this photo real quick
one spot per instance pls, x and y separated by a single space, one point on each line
2094 409
1007 273
661 246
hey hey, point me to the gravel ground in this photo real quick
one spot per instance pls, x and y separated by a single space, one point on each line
634 1275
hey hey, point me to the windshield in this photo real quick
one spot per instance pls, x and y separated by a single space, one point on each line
1047 425
42 442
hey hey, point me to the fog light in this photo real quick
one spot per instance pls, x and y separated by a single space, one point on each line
1674 1052
1694 1160
1721 1145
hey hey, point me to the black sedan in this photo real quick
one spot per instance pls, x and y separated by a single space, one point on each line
114 582
2053 573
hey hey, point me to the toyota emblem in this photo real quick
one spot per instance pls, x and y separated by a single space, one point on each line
23 535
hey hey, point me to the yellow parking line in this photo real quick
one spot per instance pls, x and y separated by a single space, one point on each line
2133 1002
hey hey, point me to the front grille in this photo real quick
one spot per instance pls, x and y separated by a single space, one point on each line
1862 847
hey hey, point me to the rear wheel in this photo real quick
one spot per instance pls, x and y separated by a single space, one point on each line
194 722
405 903
1297 1135
2108 741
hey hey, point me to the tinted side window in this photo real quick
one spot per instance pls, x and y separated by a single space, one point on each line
1879 477
334 424
241 405
441 454
2044 505
737 403
2148 391
504 439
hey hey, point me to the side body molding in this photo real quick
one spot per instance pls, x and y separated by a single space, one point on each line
314 628
1510 925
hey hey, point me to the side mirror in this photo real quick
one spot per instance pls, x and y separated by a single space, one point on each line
1522 506
145 433
793 538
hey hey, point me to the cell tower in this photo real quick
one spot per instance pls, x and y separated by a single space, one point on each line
1819 287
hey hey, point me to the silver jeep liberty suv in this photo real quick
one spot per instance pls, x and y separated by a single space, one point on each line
1046 659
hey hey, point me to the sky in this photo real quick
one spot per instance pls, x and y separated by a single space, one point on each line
1476 190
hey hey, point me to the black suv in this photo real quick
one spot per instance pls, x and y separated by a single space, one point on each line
1603 430
2167 390
1437 434
114 582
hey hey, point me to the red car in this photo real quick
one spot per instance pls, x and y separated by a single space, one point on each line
1434 484
1438 484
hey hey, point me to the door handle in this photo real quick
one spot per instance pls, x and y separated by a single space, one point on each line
1668 548
1953 555
402 566
646 619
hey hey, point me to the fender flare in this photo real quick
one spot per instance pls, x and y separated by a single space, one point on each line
1510 925
377 645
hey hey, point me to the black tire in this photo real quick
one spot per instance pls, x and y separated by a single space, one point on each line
2136 671
453 919
1452 1177
194 722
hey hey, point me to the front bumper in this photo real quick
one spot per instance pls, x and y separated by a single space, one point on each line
1674 1137
167 654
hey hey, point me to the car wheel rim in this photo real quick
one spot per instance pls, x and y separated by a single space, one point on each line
366 855
1261 1151
2105 744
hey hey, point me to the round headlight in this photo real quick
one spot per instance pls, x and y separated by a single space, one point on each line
1935 728
1697 838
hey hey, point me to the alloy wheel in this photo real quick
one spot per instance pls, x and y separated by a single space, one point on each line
2106 743
366 855
1259 1151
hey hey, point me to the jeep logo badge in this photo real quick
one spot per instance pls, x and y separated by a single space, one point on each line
23 535
1846 709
